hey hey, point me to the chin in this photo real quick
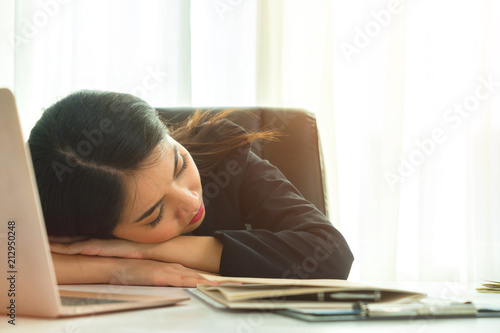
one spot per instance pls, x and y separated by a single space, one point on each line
191 227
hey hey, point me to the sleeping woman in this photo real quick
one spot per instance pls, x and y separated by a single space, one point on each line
122 193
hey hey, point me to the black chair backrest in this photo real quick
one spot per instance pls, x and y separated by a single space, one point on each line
297 155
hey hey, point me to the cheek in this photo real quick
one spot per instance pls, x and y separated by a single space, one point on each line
145 234
163 232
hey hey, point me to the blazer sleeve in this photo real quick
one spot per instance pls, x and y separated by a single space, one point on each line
289 236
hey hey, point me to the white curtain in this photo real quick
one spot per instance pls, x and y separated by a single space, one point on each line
405 94
418 148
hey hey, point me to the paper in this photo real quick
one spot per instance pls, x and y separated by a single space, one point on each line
264 293
490 287
285 282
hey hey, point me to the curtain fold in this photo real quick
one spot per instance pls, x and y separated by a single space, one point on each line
142 48
223 41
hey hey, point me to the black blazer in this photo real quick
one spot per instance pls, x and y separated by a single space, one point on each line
265 225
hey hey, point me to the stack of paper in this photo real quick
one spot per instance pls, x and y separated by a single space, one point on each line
259 293
490 287
326 300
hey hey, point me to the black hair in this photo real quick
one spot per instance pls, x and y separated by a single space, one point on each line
86 144
82 148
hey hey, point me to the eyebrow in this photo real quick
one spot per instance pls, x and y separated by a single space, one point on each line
152 209
149 211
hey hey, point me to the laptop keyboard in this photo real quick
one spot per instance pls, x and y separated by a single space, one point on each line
74 301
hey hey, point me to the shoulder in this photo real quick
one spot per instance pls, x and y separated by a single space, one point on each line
224 131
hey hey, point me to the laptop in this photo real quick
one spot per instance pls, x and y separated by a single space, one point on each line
28 285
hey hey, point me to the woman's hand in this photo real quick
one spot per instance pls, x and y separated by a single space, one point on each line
104 248
155 273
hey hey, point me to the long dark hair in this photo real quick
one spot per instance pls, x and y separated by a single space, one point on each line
85 144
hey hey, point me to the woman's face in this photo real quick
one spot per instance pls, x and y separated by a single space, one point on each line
164 200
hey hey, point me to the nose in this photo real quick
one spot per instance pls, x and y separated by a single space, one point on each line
188 203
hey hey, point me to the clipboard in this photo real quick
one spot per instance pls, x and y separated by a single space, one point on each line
422 309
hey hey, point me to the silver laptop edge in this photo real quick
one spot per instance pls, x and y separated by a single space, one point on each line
28 284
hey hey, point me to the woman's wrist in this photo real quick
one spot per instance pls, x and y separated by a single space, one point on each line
77 269
197 252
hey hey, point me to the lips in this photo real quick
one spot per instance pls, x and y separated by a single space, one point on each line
198 215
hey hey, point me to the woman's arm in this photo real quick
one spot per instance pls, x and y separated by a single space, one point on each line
82 269
196 252
76 269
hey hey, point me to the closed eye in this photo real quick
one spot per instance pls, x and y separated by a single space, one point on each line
185 162
158 219
184 165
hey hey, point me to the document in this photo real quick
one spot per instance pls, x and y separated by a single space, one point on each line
262 293
326 299
490 287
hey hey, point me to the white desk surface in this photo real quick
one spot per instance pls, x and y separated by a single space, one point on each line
196 316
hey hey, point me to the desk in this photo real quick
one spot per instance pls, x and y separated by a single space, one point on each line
195 316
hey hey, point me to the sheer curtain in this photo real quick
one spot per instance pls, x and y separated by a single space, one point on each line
416 87
404 92
55 47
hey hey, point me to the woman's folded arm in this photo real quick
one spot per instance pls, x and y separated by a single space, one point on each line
84 269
